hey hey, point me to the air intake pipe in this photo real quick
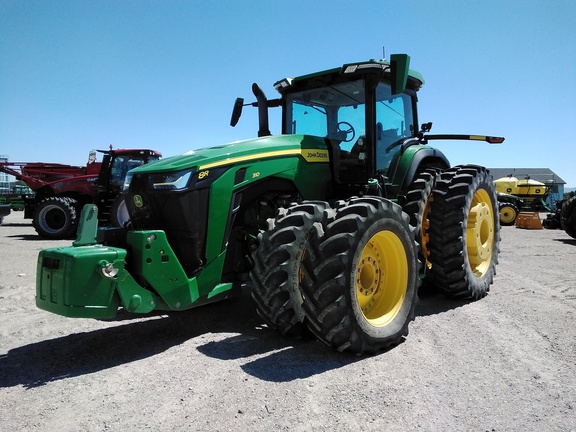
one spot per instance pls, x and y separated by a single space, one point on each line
263 126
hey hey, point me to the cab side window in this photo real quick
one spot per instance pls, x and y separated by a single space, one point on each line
394 123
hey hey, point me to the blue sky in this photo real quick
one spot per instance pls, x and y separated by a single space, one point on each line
80 75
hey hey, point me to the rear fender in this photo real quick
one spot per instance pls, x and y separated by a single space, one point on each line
413 161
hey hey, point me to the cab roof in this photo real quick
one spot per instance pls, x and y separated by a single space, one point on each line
359 68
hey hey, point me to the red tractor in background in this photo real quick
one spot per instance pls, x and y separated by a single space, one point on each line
60 191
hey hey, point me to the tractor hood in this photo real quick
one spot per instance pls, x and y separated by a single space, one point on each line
311 149
192 198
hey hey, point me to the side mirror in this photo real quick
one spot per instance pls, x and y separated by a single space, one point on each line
237 111
426 127
399 66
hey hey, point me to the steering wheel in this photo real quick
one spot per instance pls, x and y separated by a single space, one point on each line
348 129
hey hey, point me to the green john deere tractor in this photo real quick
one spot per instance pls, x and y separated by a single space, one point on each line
335 222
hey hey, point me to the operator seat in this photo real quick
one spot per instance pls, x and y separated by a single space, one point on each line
385 137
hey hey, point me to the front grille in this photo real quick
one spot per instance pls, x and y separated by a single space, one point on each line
182 215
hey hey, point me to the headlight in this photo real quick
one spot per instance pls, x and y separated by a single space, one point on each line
170 181
127 180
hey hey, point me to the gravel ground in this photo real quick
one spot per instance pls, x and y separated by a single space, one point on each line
503 363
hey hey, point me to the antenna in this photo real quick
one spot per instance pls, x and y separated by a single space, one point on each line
383 53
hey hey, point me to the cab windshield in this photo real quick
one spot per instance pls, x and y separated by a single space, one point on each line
335 112
338 113
122 164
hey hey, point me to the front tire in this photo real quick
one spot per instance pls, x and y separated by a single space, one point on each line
55 218
277 272
464 232
361 292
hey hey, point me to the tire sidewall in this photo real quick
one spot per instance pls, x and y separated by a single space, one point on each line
481 285
452 272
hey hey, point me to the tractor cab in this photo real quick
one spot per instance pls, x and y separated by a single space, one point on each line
117 163
362 118
365 112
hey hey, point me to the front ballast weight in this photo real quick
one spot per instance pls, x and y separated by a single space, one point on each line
155 281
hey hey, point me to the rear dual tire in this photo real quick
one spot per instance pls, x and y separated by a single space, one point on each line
418 205
464 232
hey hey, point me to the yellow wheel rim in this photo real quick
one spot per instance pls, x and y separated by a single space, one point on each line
507 214
480 233
382 278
